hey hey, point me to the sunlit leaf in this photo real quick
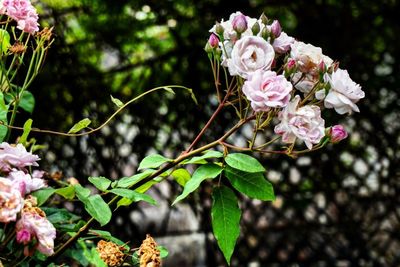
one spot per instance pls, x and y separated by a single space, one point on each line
80 125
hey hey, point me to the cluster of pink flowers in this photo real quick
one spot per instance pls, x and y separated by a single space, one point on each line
306 81
23 12
16 183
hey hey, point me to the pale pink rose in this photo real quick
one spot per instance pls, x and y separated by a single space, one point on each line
337 133
304 123
282 43
304 82
267 90
39 229
15 156
30 23
308 57
23 12
249 54
344 92
25 183
11 201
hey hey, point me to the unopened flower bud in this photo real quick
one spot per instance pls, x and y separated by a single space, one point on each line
276 29
322 67
255 28
219 29
337 133
264 19
290 67
265 33
239 23
213 40
333 67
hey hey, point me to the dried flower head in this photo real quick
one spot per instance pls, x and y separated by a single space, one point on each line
17 48
46 33
110 253
149 254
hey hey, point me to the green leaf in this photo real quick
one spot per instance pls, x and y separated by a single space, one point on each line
143 188
66 192
208 171
59 216
3 117
192 95
163 251
116 101
27 130
98 209
4 41
253 185
244 162
124 202
207 155
80 125
152 161
27 101
225 217
81 192
133 195
181 176
100 183
129 181
43 195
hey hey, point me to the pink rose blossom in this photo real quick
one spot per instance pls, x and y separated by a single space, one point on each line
15 156
40 229
304 123
23 12
267 90
282 43
25 183
344 92
11 201
337 133
249 54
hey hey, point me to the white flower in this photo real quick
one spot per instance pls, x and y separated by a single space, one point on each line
249 54
304 123
344 92
282 43
15 156
308 57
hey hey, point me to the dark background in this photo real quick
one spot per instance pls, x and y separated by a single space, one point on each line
337 207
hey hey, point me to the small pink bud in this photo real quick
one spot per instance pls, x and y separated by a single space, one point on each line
337 133
213 41
322 67
291 64
276 29
239 23
23 236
